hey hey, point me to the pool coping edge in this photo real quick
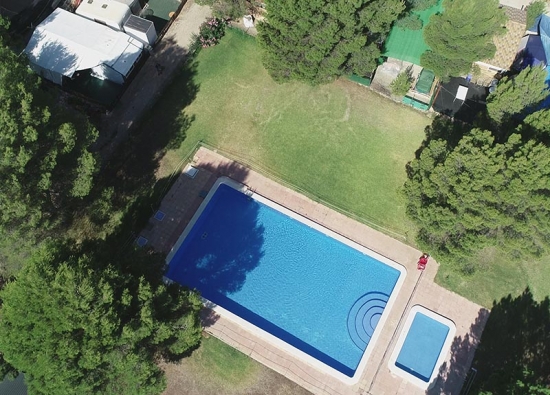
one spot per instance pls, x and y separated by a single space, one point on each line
401 340
295 352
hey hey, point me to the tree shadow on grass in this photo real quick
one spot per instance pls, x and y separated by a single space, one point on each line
453 373
127 187
515 346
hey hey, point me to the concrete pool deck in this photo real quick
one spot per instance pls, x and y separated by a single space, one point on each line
418 288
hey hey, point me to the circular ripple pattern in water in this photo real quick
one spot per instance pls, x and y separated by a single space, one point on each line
364 316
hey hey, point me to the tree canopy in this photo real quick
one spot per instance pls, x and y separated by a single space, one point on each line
44 158
317 41
401 85
83 322
518 94
481 193
513 356
461 34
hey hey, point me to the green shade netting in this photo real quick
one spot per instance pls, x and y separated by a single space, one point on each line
409 45
425 81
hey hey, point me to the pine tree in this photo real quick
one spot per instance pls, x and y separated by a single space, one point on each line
82 323
401 85
518 95
461 34
315 41
481 193
44 162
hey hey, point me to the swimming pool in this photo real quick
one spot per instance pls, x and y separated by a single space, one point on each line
422 346
302 285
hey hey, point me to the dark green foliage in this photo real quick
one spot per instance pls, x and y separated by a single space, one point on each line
513 357
317 41
44 161
481 193
518 94
410 22
461 34
211 31
535 9
539 124
6 370
83 321
401 85
421 5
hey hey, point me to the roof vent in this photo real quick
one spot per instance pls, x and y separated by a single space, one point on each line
104 6
90 1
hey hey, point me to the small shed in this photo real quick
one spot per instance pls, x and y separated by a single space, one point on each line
141 29
107 12
65 43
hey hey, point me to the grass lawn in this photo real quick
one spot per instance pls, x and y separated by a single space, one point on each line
340 142
497 276
216 368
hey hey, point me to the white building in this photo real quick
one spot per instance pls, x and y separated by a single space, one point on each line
141 29
106 12
65 43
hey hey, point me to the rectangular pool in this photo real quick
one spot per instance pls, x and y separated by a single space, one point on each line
296 281
422 346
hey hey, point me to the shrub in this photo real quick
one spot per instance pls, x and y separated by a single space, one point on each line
401 85
409 22
211 32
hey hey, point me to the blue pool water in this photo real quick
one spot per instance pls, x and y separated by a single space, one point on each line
422 346
308 289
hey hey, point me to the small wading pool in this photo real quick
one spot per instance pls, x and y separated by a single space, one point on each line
296 284
422 346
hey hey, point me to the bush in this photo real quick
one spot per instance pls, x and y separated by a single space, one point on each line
211 32
401 85
410 22
533 10
421 5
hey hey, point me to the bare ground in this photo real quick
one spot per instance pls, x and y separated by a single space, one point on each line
198 375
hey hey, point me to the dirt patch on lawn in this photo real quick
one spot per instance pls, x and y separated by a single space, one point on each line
185 379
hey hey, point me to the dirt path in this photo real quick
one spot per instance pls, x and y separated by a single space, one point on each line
153 78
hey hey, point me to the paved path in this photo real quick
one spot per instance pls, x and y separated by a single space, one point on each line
153 78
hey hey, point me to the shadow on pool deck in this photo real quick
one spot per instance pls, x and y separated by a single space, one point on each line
452 374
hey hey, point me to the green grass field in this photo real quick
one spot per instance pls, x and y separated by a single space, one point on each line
340 142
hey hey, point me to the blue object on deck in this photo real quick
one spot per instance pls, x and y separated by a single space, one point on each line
159 215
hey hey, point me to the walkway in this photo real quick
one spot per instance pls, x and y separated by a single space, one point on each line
153 78
469 318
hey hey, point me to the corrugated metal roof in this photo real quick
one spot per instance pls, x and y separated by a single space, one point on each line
139 24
